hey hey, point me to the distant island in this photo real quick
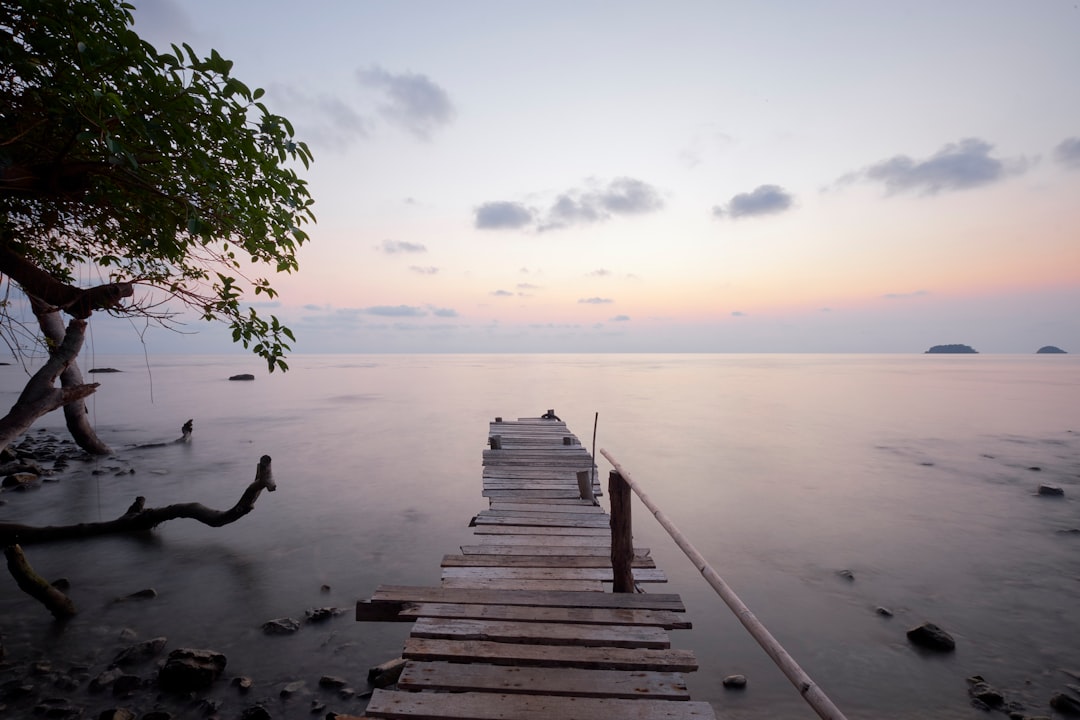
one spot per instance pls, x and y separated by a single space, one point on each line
1049 349
957 348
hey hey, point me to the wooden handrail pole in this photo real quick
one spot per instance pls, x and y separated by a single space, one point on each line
622 535
810 691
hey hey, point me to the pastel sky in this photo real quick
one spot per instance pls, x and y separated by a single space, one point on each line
830 176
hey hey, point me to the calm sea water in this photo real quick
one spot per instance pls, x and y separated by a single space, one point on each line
915 473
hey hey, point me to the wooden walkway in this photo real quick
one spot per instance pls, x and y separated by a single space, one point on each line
521 626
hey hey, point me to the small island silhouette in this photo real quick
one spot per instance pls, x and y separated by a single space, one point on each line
955 348
1050 349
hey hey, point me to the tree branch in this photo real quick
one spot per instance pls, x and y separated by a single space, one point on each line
139 518
77 302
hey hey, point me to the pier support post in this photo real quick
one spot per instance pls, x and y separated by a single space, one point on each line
622 535
584 484
496 442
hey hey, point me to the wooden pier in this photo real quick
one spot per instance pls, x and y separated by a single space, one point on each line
524 624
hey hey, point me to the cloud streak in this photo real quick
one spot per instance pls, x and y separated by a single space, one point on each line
956 166
502 215
393 247
411 101
1067 152
623 196
762 200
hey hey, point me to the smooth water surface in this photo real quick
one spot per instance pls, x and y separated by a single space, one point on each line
916 473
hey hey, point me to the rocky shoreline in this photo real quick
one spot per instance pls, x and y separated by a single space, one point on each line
132 679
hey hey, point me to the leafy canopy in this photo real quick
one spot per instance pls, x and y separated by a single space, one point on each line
159 169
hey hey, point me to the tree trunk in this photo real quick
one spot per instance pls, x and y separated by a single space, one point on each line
40 396
75 415
139 518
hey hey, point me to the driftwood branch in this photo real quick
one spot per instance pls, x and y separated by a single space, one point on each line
139 518
40 396
37 587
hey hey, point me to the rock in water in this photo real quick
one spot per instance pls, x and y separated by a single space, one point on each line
931 637
188 669
281 626
139 652
243 376
1051 491
1065 705
985 692
736 682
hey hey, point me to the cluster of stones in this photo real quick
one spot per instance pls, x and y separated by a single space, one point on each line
23 466
177 686
985 696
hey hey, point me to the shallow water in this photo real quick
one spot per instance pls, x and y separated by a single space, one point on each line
913 472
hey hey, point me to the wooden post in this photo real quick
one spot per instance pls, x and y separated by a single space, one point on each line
584 485
622 535
498 419
568 440
496 442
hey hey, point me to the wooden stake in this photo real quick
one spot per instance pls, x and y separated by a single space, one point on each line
622 535
585 486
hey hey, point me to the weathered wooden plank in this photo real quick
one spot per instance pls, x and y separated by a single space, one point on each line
644 601
554 508
532 633
524 493
520 498
568 560
532 546
644 575
583 586
595 518
485 518
540 535
528 613
459 677
598 658
401 705
529 473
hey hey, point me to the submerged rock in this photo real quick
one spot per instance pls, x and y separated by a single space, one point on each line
243 376
985 692
188 669
1051 491
21 481
139 652
281 626
1065 704
930 636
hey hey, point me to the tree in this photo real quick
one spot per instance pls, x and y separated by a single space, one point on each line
153 170
149 171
